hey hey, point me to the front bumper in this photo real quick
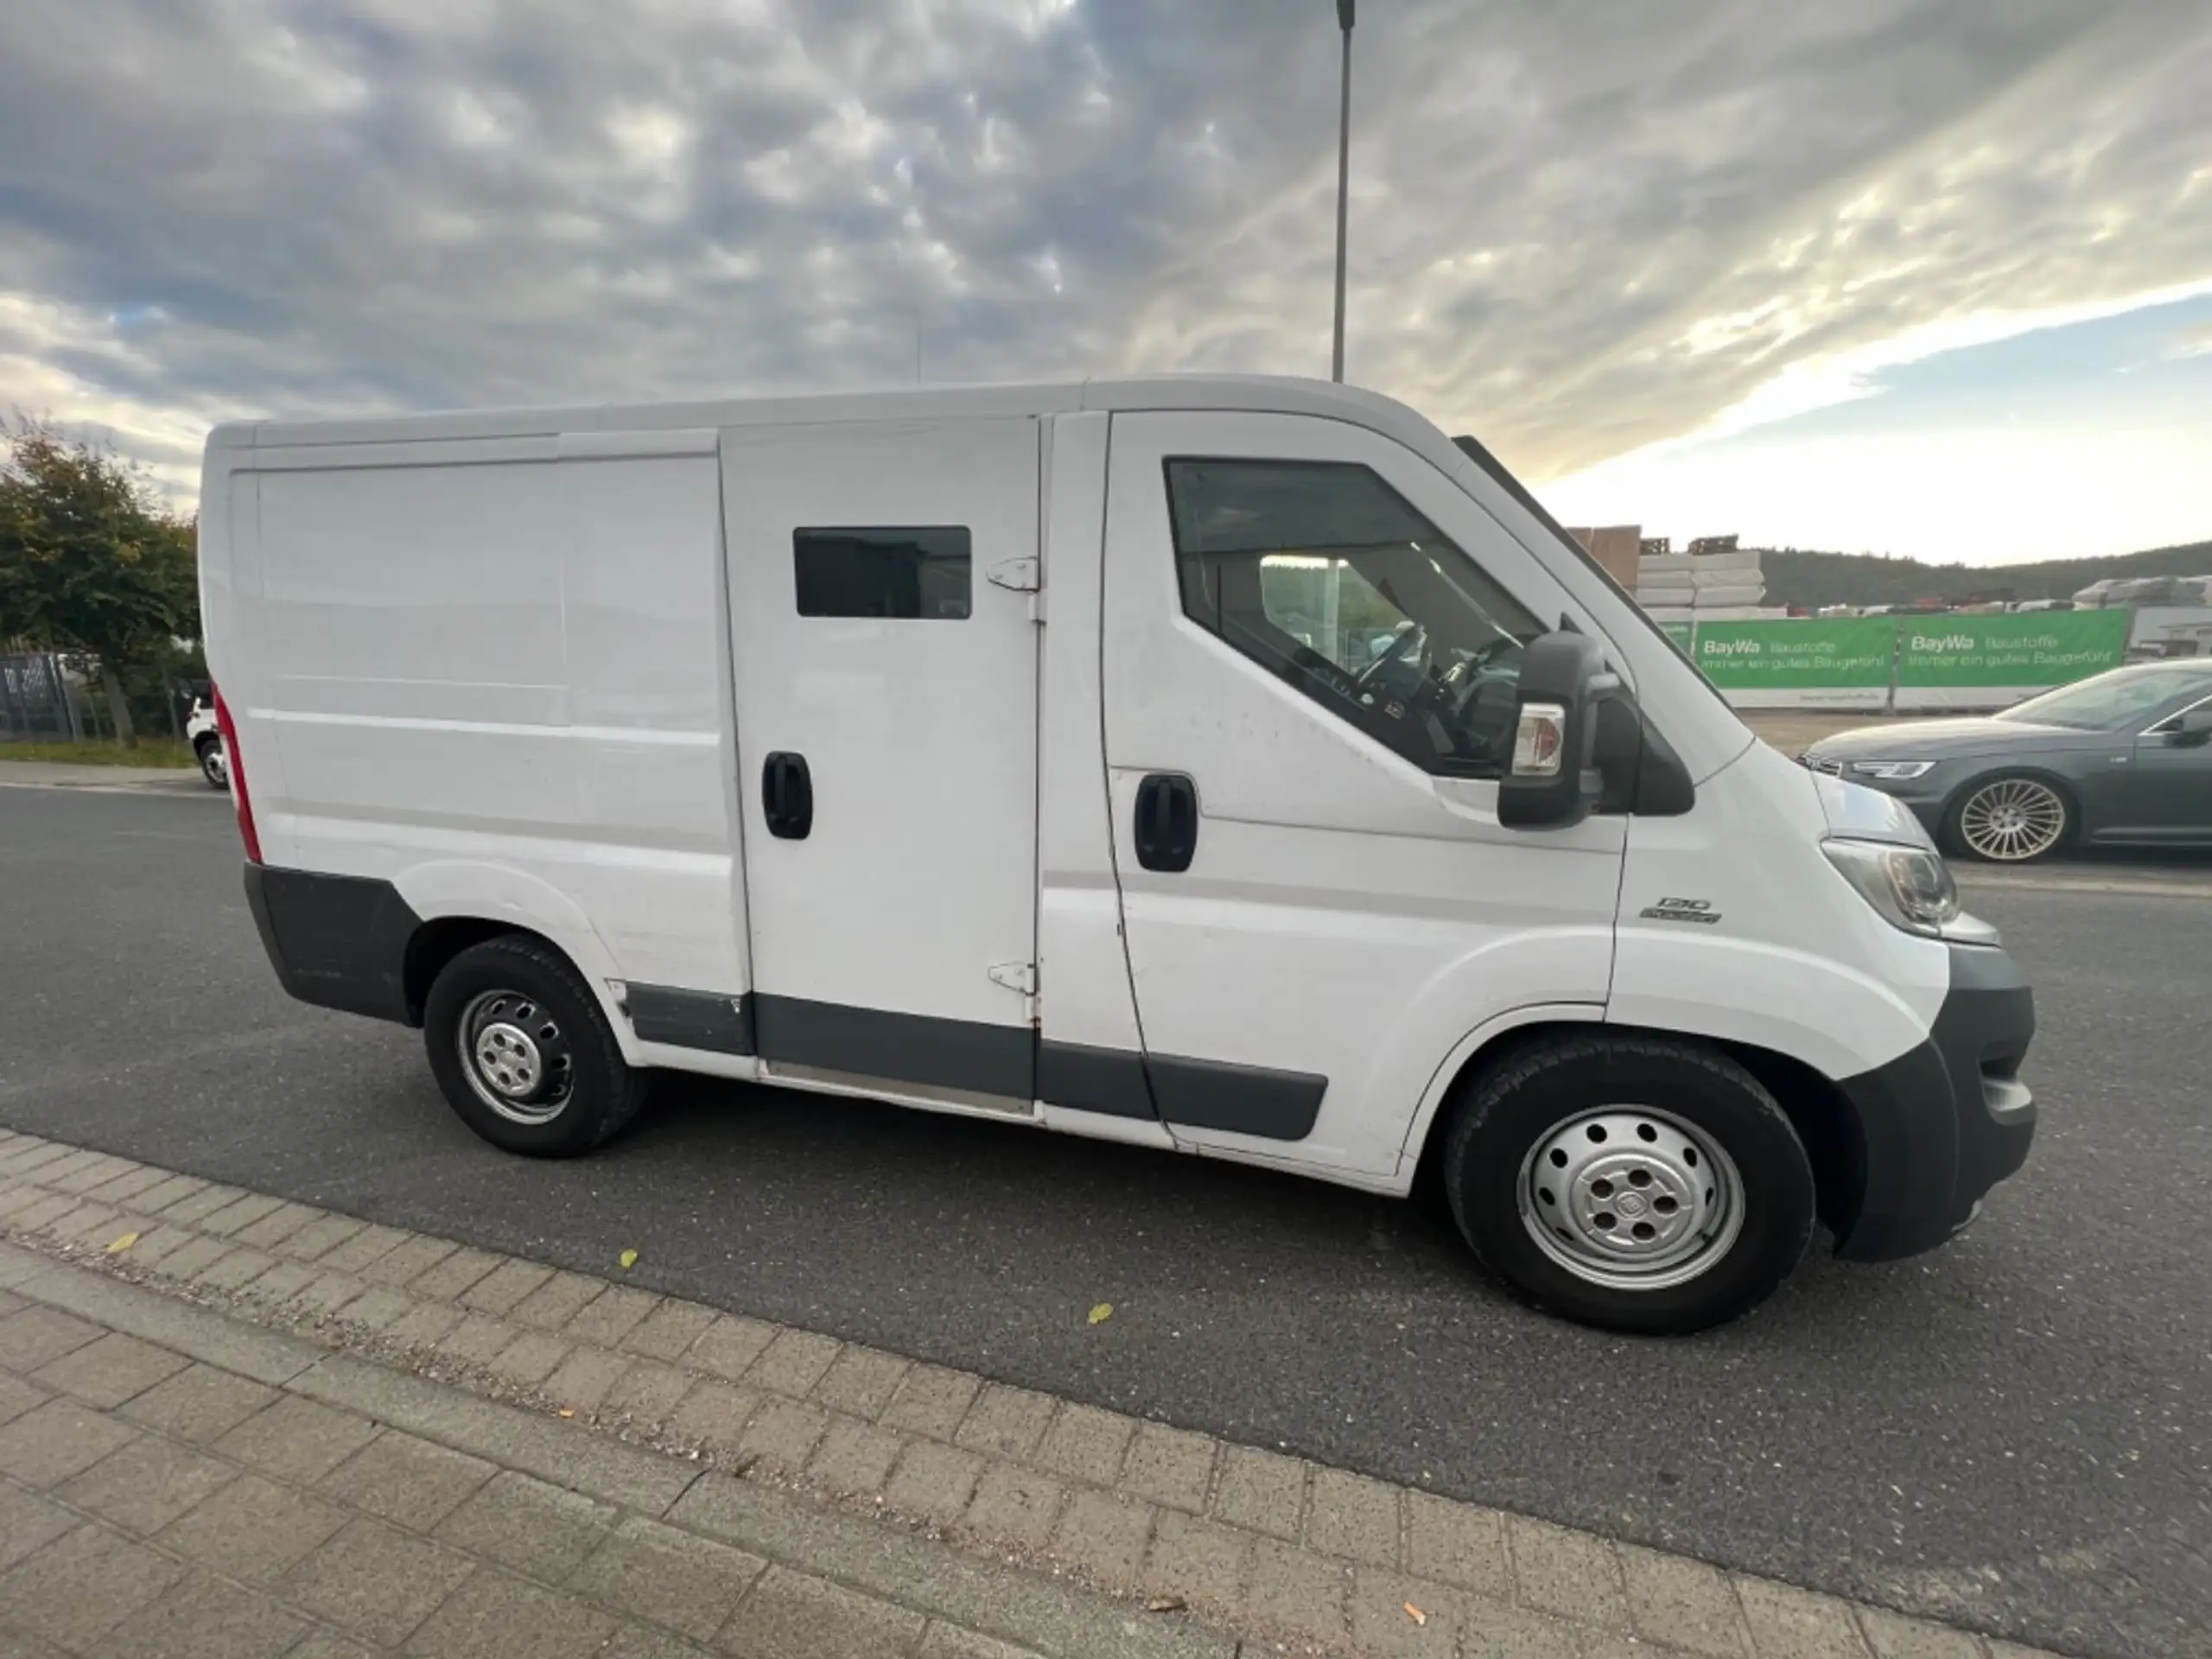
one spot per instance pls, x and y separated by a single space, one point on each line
1944 1122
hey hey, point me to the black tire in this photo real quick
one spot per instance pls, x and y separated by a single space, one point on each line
208 751
1953 837
1509 1111
602 1092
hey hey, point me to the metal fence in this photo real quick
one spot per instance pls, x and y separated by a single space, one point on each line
36 699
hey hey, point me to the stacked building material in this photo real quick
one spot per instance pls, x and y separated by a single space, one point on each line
1722 582
2116 592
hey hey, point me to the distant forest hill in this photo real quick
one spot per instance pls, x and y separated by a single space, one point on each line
1813 580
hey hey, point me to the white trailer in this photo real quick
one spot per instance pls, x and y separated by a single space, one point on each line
1228 766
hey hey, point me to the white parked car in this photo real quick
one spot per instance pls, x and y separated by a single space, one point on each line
202 731
954 748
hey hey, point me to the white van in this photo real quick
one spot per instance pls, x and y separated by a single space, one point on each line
1226 766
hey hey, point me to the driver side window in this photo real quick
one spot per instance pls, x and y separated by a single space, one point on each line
1324 574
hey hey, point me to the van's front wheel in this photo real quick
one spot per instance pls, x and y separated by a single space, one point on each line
522 1051
1638 1183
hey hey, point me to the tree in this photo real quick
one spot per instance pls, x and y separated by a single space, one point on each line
90 559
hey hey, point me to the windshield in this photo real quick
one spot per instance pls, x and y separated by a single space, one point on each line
1473 450
2112 700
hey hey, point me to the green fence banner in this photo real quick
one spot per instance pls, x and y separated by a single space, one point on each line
2030 652
1841 663
1939 662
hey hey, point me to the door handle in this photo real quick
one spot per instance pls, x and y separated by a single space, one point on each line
1167 821
787 795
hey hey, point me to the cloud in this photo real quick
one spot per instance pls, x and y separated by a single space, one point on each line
1579 228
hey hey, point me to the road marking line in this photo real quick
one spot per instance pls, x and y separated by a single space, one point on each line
2070 884
162 788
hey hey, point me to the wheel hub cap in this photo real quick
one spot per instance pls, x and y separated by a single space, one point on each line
509 1059
515 1057
1630 1197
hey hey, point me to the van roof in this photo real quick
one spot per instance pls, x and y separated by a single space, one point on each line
1282 394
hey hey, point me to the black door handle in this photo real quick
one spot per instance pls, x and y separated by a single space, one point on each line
1167 821
787 795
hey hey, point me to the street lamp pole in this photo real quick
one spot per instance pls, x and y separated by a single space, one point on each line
1344 182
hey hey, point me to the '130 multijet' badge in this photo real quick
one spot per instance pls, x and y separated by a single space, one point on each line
1683 910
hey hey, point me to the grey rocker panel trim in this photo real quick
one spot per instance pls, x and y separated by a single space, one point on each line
1003 1060
664 1013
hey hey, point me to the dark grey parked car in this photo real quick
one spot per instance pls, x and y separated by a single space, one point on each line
2124 758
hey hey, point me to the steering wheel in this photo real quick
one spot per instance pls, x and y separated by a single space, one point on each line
1419 637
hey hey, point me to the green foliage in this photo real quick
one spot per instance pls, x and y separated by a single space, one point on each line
1795 577
162 752
90 560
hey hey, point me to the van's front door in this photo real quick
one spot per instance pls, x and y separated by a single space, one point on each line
1311 637
886 706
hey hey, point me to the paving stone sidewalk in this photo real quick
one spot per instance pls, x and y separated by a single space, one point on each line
232 1424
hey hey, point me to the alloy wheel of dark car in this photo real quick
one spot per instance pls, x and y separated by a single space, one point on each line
2010 820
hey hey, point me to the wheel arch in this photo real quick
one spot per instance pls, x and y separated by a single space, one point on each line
462 903
437 942
1816 1106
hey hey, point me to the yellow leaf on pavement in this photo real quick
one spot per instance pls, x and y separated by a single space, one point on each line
1102 1312
629 1260
122 1243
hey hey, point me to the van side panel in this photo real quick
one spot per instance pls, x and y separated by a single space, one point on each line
645 622
1090 1057
498 684
412 636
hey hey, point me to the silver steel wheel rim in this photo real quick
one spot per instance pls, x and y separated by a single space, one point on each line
215 766
1630 1199
2013 819
514 1057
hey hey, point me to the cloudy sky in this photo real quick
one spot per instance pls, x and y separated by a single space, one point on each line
1927 276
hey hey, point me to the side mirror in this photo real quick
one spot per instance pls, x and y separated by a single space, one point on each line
1553 781
2194 728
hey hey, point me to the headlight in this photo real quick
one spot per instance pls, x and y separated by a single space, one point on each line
1910 886
1894 772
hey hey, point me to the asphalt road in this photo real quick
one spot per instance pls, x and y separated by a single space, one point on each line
2014 1431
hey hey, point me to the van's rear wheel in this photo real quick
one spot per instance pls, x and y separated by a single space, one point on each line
1635 1183
523 1052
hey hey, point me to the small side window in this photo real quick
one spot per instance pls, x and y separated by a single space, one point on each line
920 573
1322 574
